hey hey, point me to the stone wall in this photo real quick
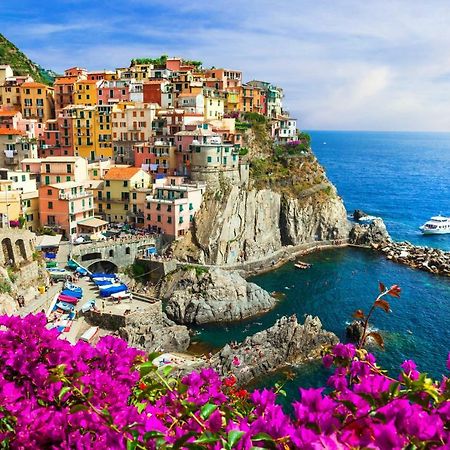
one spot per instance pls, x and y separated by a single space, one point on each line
17 246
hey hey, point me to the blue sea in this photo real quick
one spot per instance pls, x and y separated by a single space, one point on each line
405 179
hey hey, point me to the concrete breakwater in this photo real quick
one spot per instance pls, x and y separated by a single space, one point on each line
428 259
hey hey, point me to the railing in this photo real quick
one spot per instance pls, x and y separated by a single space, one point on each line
71 196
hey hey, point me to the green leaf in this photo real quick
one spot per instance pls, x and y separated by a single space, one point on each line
182 440
262 437
63 392
131 445
167 370
78 407
233 437
152 435
207 410
206 439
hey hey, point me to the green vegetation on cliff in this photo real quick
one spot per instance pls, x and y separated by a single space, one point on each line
21 64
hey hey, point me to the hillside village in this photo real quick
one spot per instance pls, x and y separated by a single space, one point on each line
139 145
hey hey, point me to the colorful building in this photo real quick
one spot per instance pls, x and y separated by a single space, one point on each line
36 101
63 205
110 92
171 208
59 169
119 184
85 92
14 146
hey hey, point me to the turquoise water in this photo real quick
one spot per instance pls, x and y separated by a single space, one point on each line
403 177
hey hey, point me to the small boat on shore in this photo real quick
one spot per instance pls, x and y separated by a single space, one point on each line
436 225
302 265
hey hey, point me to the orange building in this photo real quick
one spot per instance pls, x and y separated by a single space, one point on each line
85 93
63 205
37 101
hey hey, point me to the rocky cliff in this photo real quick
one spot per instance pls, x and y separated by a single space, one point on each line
285 200
196 296
285 343
369 234
245 224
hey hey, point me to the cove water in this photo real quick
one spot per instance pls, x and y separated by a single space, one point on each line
405 179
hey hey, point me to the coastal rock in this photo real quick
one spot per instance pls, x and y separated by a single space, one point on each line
423 258
148 329
354 331
8 305
285 343
197 295
358 214
374 233
241 225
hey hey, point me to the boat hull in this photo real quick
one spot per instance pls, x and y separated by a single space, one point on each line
427 231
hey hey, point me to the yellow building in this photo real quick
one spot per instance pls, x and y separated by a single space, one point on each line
92 131
85 92
232 101
120 183
37 101
214 106
103 132
10 202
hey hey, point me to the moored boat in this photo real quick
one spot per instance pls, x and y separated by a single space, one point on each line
302 265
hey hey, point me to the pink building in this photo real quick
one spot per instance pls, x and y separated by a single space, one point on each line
63 205
157 157
9 118
112 92
172 207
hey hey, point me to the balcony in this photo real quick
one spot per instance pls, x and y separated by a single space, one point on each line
71 196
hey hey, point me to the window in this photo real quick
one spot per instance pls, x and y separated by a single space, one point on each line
50 205
180 220
127 251
111 253
209 159
169 219
107 184
67 178
47 180
159 219
134 196
191 206
181 208
108 195
125 184
169 208
125 207
108 206
49 192
58 179
47 168
69 168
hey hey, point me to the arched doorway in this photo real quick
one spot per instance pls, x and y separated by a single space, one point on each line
21 249
8 252
103 266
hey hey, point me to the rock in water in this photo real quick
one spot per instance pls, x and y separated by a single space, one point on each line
358 214
285 343
370 234
355 330
151 330
197 295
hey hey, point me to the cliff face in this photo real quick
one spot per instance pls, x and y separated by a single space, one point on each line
245 224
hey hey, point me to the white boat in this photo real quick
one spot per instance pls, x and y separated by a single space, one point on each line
436 225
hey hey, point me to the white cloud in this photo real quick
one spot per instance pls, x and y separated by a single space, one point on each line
346 64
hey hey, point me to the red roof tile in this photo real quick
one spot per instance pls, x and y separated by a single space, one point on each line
121 173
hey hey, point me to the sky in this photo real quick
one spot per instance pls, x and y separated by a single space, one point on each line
343 64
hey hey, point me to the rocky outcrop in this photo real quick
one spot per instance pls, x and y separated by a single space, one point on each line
428 259
152 331
369 234
8 305
148 329
197 296
354 330
285 343
242 225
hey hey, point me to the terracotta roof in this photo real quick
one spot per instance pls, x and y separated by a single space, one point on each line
66 80
7 131
118 173
8 113
33 84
